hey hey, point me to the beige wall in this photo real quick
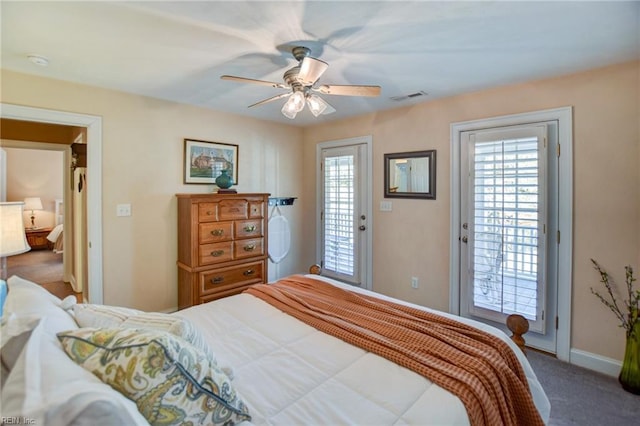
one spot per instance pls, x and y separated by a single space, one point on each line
35 173
413 239
142 164
142 154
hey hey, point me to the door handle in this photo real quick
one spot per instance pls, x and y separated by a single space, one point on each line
464 239
362 227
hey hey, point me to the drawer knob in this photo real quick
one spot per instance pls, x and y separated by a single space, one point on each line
249 228
217 232
217 253
217 280
209 213
250 247
248 272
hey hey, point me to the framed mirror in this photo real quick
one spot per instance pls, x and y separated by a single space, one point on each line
410 175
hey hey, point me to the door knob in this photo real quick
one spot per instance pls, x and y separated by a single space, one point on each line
464 239
362 227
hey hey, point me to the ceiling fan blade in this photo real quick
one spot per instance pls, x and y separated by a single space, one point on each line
310 70
273 98
253 81
349 90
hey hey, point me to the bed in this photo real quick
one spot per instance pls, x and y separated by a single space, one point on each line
56 236
277 369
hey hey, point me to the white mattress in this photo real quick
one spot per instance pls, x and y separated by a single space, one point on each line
290 373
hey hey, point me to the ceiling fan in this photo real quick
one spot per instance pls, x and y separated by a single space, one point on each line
302 80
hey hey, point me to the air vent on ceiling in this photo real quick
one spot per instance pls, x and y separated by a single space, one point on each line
409 96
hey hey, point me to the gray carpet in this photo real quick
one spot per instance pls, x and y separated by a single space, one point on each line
582 397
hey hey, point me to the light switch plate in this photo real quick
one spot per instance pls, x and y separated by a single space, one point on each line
123 210
386 206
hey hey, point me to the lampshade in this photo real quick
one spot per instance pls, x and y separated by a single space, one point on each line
288 110
12 237
317 105
294 105
32 203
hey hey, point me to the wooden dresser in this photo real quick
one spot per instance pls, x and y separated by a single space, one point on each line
222 245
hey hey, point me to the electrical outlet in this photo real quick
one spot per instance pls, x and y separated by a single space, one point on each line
414 282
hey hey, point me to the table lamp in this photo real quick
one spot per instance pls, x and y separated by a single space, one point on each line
33 203
12 241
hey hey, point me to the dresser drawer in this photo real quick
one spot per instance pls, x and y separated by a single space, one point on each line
233 209
213 232
216 253
207 212
256 209
248 248
225 279
248 228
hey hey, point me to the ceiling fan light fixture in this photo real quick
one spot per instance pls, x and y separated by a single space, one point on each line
289 110
302 79
294 105
316 105
297 100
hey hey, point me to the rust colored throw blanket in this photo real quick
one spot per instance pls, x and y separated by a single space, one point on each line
477 367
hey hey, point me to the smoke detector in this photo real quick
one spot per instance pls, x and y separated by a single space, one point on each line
38 60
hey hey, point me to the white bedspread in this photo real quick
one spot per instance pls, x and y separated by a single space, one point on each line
55 233
289 373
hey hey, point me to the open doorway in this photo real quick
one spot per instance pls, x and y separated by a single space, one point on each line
40 170
35 176
92 124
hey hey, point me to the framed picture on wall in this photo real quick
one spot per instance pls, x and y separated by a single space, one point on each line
204 161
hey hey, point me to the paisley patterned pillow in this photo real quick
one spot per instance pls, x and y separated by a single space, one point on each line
171 381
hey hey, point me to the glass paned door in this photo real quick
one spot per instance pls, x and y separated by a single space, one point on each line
505 225
342 217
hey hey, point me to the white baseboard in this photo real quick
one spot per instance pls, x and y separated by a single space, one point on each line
599 363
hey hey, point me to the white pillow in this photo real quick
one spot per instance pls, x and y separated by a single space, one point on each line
26 304
46 386
16 282
26 298
102 316
14 334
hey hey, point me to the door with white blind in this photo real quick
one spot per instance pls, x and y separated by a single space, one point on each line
344 212
507 263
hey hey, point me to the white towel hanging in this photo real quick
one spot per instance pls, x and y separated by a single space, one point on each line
279 236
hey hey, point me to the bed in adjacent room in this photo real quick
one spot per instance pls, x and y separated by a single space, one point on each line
56 236
270 367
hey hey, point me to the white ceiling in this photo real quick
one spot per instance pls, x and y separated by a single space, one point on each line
177 50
